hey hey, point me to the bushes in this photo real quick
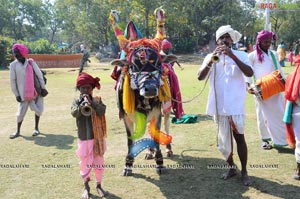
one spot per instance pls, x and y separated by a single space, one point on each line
184 45
41 46
5 45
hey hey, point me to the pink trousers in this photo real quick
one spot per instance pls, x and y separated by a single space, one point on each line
88 161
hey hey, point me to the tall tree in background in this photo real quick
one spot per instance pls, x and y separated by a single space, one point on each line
188 25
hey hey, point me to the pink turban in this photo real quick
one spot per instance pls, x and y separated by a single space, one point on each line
22 49
166 44
84 79
262 35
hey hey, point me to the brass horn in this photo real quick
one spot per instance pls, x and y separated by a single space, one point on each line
86 109
215 58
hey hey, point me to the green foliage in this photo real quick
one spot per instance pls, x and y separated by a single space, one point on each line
41 46
184 45
5 44
72 21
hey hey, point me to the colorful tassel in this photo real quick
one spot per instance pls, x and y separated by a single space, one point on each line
157 135
164 93
140 125
128 96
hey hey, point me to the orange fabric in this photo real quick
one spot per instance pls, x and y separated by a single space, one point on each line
157 135
290 136
293 82
152 43
271 84
99 129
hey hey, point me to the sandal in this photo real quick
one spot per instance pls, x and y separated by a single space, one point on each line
35 133
266 145
15 135
229 174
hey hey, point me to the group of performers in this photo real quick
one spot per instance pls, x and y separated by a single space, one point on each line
233 72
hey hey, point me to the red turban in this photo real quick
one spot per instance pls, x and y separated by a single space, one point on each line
84 78
166 44
22 49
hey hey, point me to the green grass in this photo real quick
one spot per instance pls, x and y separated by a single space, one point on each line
193 144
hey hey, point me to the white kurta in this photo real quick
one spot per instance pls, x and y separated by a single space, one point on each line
229 82
272 108
17 76
226 98
296 128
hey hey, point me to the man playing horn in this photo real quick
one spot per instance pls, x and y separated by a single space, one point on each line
227 94
91 129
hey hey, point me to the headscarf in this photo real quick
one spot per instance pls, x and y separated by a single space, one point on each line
235 35
166 44
262 35
22 49
84 78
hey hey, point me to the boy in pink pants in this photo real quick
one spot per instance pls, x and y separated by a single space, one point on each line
89 112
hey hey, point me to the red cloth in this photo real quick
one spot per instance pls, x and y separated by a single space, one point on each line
84 79
291 93
166 44
293 82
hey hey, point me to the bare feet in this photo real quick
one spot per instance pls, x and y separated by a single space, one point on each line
230 173
85 194
100 191
246 180
86 191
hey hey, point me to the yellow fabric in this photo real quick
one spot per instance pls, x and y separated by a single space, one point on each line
99 130
128 95
271 84
281 54
164 93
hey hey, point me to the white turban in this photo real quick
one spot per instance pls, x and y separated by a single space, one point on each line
235 35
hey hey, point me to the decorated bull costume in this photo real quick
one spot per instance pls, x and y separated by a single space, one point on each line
143 91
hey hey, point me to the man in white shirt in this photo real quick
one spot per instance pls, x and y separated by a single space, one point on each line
227 94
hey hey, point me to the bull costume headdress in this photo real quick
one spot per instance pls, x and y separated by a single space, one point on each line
142 88
129 48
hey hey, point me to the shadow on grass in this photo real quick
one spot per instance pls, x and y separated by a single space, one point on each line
108 195
285 150
48 140
202 117
201 178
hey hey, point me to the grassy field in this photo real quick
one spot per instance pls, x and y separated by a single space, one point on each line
193 145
